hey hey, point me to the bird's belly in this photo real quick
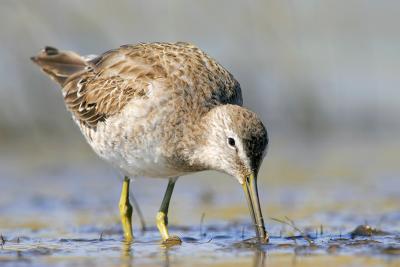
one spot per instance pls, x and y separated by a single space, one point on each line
133 140
136 161
145 163
141 157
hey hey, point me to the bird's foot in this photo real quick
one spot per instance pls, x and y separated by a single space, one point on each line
172 240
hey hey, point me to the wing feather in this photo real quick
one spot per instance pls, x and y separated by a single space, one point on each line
113 79
102 90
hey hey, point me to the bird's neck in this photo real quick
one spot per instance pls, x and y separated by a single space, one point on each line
190 149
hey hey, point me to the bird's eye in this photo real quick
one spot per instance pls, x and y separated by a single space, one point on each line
231 141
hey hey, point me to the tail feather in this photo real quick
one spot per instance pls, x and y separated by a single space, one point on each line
59 65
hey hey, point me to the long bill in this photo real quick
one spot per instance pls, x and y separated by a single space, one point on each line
251 192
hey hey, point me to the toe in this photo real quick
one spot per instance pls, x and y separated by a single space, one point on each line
172 240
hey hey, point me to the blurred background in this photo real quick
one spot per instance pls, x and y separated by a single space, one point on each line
323 75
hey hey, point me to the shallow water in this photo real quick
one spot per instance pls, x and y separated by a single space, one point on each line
220 246
60 209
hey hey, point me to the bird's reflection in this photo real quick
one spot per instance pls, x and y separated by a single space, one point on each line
126 254
259 257
165 254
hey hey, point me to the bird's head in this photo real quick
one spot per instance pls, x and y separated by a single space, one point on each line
235 142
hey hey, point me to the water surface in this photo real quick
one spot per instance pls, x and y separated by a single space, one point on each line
58 207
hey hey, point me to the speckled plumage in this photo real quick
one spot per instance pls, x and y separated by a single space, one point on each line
159 109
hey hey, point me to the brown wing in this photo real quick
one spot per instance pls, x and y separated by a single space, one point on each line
106 86
93 99
97 89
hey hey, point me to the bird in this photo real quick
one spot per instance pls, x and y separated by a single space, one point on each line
162 110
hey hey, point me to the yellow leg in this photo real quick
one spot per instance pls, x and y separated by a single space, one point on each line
125 210
162 216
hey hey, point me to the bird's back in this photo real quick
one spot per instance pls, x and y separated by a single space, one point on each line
167 84
101 87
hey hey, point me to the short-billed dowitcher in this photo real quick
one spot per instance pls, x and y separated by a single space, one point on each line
162 110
